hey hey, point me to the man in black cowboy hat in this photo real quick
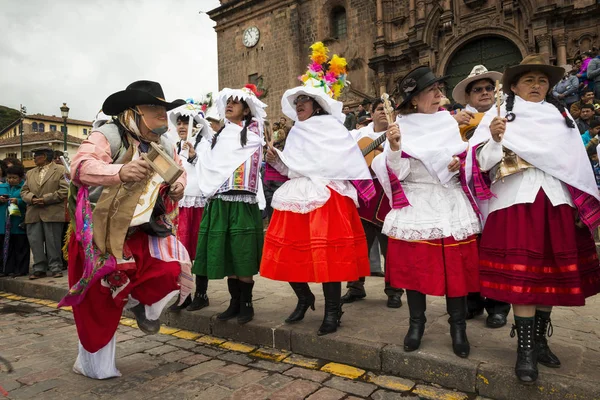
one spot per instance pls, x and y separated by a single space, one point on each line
132 227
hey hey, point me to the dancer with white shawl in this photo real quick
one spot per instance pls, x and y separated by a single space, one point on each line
536 249
315 234
231 233
432 227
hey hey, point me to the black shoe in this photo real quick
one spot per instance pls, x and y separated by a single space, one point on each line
545 356
306 300
394 301
175 307
457 309
495 321
350 297
149 327
378 274
333 308
246 308
233 310
474 313
416 306
200 301
526 366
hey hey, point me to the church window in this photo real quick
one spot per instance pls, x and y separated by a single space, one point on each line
339 26
41 127
34 127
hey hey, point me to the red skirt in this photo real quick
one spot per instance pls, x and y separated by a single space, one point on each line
188 228
534 254
435 267
325 245
97 316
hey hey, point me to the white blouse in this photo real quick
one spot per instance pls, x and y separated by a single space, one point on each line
302 195
521 187
436 211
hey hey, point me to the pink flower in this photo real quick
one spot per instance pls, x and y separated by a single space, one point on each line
315 67
330 77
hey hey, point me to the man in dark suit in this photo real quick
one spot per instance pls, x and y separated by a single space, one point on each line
45 191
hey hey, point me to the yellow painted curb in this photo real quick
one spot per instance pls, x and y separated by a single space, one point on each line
270 354
343 370
431 394
301 361
167 330
127 321
389 382
14 297
67 308
186 335
239 347
206 339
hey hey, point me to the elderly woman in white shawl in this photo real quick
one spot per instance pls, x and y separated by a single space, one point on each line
315 234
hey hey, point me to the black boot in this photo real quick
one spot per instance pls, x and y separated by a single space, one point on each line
417 305
457 309
233 284
526 366
175 307
200 297
543 326
149 327
306 300
246 308
333 308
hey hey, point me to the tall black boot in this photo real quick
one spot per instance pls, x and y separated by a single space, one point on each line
246 308
175 307
417 305
200 297
543 326
526 366
233 284
306 300
333 308
457 309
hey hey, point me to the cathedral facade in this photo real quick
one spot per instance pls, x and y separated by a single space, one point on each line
266 42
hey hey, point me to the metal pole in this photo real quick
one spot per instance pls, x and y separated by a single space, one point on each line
65 136
22 109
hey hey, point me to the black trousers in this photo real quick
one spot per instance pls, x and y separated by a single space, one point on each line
476 302
18 255
372 231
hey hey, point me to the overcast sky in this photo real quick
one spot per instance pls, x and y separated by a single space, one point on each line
81 51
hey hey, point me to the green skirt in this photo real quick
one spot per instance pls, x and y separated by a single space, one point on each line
230 240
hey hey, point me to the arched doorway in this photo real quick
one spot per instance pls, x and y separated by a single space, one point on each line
494 52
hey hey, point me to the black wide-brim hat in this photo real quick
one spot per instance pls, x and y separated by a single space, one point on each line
136 94
415 82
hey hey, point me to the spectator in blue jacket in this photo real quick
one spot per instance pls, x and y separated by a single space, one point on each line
567 90
13 238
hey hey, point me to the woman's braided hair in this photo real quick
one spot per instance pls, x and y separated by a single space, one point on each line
243 134
510 102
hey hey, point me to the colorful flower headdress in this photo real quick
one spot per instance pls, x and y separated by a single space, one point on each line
326 73
204 104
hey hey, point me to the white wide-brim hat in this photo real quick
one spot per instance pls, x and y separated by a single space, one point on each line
329 105
189 110
478 72
256 106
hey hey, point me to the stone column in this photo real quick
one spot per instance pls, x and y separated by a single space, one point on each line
561 48
543 42
379 19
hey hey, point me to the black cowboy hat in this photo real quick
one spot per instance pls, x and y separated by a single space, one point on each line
415 82
136 94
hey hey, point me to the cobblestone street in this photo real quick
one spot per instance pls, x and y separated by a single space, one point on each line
41 343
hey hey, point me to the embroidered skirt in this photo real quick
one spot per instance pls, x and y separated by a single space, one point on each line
534 254
150 280
230 240
188 228
325 245
435 267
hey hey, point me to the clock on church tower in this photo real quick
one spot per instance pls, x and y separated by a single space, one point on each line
250 36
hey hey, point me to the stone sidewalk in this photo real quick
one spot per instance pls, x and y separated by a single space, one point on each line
371 338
